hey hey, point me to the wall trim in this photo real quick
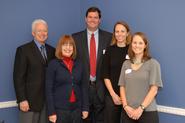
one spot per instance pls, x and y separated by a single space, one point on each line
160 108
8 104
171 110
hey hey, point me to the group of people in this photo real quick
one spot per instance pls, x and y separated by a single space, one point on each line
92 76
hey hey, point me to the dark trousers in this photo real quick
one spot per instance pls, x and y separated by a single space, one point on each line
33 117
69 116
146 117
112 112
96 107
2 121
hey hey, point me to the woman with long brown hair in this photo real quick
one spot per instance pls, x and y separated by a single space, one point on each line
114 57
139 81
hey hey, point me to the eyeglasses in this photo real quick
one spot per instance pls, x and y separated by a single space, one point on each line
41 31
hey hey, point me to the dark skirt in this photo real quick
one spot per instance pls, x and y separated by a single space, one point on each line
69 116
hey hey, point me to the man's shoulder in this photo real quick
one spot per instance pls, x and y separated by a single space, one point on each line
26 45
49 46
105 32
78 33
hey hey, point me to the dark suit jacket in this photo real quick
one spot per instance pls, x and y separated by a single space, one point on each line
82 52
29 74
59 84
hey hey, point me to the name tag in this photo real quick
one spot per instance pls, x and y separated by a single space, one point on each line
127 71
127 57
104 51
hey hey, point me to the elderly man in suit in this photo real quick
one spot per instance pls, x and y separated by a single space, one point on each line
91 44
29 74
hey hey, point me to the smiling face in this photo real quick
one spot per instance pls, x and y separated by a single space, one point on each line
92 20
138 45
120 33
67 49
40 32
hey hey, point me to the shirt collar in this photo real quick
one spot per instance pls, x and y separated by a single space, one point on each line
38 44
90 32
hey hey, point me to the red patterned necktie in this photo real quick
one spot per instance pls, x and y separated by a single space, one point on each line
92 56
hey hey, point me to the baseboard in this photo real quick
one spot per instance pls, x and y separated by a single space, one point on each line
8 104
160 108
171 110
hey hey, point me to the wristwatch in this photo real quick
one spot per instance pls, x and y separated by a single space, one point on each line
142 107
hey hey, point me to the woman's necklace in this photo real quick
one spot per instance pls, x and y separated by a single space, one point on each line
121 44
137 61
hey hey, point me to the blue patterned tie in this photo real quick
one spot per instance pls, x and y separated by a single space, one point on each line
43 53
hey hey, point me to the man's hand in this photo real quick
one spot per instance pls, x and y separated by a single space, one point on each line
85 114
24 106
53 118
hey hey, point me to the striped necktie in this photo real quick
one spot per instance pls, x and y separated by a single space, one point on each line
43 52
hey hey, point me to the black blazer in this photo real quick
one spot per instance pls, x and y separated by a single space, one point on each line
83 52
29 74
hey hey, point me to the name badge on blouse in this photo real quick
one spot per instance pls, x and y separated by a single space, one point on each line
127 71
104 51
127 57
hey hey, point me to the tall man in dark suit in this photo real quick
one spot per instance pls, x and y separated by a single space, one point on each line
29 74
91 44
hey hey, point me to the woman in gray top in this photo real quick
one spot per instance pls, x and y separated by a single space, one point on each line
139 81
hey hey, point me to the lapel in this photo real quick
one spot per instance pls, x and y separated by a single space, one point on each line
100 46
84 44
48 53
37 52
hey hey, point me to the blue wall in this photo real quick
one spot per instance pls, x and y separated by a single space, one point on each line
15 29
162 20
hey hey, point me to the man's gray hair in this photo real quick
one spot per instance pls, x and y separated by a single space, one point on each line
36 21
